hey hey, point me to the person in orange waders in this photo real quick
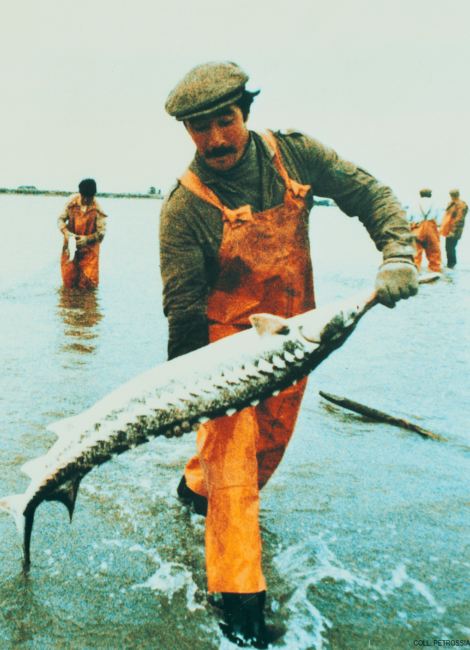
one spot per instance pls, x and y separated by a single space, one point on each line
234 241
424 224
452 226
84 221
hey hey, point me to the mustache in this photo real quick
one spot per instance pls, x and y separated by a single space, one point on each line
217 152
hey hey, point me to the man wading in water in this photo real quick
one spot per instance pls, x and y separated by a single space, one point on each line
84 221
452 226
234 241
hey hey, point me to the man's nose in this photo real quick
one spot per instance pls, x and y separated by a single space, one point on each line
216 137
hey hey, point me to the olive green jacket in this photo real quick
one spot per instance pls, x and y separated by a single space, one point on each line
191 229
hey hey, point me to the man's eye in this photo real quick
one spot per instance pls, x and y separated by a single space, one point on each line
226 122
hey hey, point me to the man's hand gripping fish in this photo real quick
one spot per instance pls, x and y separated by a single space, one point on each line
217 380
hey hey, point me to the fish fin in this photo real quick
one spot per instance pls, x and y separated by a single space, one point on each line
32 467
66 494
268 325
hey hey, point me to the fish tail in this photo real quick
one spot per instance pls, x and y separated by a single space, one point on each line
28 529
15 505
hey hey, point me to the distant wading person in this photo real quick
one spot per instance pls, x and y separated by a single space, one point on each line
234 241
424 217
83 220
453 223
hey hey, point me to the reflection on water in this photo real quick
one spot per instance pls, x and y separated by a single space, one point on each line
80 314
19 606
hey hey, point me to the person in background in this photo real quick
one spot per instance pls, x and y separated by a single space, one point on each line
234 241
424 224
452 226
85 222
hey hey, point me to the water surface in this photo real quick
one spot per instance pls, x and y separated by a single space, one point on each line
365 526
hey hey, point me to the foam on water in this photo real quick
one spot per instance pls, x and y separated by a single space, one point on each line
399 578
169 578
311 562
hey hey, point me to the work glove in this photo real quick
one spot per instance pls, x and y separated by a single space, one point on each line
397 279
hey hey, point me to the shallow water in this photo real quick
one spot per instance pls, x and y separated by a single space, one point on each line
365 526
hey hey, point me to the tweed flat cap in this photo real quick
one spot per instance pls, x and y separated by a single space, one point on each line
426 193
205 89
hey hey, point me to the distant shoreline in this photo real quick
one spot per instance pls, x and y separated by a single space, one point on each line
113 195
106 195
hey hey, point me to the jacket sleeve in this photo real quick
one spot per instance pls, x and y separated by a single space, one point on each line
185 286
358 194
62 221
100 228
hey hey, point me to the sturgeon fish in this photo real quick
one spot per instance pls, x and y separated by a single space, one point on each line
72 247
220 379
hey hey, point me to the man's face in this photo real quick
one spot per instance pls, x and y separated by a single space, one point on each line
221 137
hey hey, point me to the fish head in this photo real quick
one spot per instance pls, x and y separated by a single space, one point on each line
330 323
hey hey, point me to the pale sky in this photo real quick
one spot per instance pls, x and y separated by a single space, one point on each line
83 85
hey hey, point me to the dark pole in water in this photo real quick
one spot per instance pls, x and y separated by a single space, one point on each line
377 415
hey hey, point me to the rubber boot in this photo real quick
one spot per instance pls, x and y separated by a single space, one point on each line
188 497
244 619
